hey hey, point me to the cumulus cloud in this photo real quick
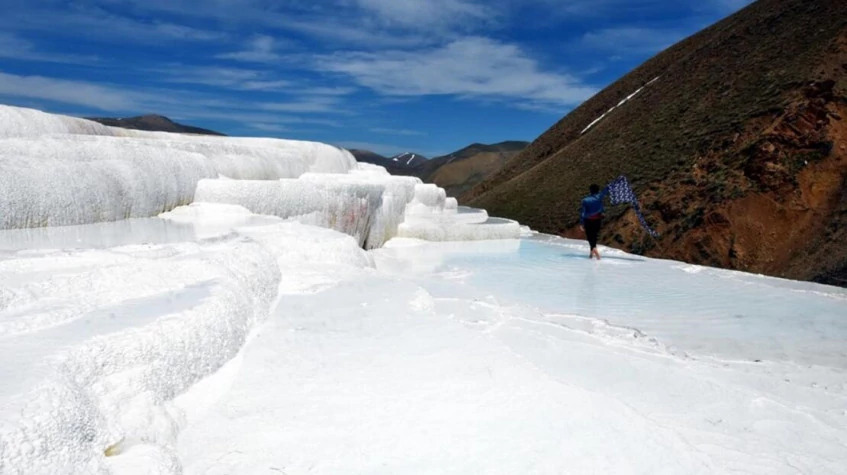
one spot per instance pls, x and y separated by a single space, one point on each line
471 67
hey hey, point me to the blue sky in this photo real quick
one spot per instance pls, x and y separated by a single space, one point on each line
429 76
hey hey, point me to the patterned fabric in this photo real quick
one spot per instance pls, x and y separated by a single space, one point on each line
621 192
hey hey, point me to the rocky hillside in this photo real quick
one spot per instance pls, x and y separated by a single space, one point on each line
459 171
155 123
736 144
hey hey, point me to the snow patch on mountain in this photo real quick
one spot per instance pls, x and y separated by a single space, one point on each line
622 102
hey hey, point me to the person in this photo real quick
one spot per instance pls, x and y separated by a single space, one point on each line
591 216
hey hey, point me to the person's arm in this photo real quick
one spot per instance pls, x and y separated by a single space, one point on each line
604 192
582 214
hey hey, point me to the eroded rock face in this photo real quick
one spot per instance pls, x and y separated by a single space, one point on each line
776 203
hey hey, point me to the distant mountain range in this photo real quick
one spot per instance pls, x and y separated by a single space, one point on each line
459 171
456 172
402 164
735 141
154 123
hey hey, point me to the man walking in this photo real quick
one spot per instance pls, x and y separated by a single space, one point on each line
591 216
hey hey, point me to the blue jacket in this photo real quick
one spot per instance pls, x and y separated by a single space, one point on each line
592 205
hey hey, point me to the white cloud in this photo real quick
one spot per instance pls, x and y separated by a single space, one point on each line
266 127
65 91
319 104
353 30
178 32
325 91
186 106
407 132
364 23
15 47
615 11
89 21
259 50
229 78
428 14
470 67
248 115
273 85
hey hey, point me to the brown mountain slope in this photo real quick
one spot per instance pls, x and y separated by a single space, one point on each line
154 123
738 151
461 170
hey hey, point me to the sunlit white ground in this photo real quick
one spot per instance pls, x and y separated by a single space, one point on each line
212 340
503 356
525 357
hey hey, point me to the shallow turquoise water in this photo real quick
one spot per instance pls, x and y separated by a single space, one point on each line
690 309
